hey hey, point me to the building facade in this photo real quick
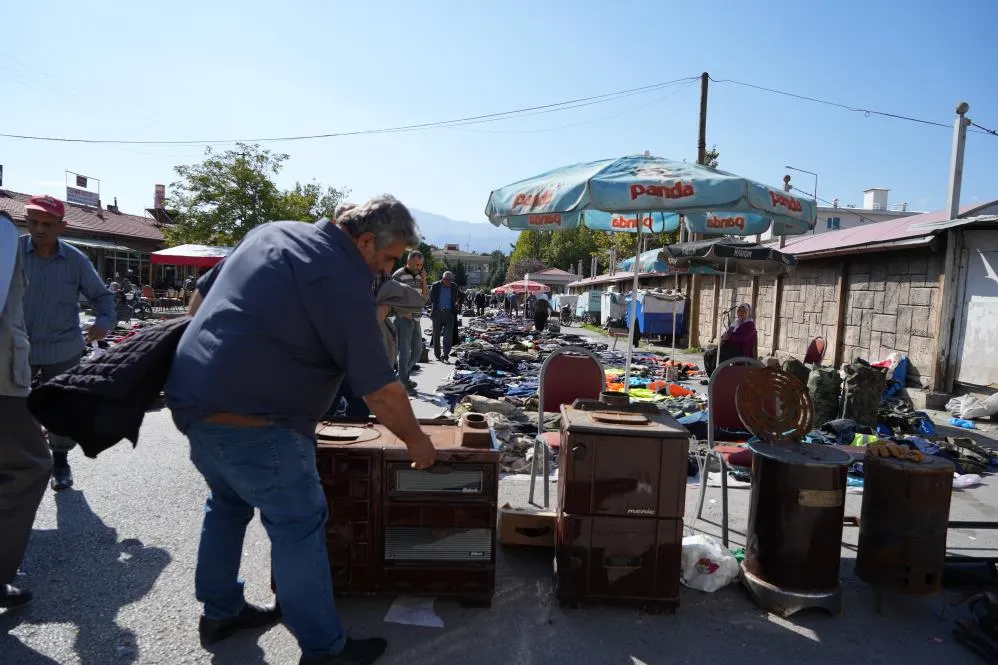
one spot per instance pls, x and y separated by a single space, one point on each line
476 266
115 241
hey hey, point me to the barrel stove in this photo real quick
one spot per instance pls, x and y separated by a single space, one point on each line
794 535
905 516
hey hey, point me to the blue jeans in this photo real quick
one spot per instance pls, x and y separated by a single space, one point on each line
410 345
273 470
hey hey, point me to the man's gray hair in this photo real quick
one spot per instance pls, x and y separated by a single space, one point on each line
341 209
414 254
385 217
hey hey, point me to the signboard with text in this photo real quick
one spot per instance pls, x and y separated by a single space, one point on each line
82 197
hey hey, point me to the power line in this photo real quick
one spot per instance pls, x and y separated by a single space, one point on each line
457 122
847 107
984 129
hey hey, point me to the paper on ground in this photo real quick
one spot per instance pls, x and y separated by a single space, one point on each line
414 611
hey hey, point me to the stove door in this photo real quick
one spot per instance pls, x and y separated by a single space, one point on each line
607 475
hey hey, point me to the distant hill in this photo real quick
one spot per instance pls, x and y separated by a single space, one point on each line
471 236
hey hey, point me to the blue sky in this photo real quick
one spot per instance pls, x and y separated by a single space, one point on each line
225 69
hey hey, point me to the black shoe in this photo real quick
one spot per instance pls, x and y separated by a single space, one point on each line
11 596
416 369
355 652
62 478
212 631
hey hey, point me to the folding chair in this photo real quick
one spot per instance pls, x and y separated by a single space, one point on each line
815 351
722 412
568 374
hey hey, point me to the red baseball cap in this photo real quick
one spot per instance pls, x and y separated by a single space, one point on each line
47 204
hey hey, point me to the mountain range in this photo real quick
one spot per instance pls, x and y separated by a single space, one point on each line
471 236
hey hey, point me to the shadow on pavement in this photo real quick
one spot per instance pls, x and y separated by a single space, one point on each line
82 575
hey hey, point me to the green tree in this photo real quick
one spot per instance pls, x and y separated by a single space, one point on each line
220 199
517 270
711 157
565 249
498 265
307 203
530 245
460 272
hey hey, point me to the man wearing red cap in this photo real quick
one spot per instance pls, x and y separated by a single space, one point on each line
57 274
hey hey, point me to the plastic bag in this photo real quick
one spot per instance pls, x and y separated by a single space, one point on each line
965 481
707 565
970 407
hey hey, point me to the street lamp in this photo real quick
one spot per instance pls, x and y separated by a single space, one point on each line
815 180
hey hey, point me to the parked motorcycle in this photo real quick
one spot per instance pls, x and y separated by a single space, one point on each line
131 305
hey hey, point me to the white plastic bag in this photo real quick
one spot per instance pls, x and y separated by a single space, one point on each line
966 481
971 407
707 565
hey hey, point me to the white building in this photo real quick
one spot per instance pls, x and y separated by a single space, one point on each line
875 209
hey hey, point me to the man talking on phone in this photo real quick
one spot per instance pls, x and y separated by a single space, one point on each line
410 331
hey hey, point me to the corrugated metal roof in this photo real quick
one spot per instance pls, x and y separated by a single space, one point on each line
916 229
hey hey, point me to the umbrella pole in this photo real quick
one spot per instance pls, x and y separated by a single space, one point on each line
634 308
724 285
673 357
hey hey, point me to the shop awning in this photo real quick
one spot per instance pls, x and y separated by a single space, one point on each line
199 256
94 243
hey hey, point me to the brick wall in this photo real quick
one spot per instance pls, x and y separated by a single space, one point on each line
891 304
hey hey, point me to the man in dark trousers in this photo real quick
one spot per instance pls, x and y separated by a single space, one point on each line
445 299
25 460
57 274
480 303
251 425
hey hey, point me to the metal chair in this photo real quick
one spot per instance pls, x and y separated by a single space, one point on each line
568 374
815 351
721 412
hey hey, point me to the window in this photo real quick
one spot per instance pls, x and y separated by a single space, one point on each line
833 223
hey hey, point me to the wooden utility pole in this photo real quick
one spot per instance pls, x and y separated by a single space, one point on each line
694 336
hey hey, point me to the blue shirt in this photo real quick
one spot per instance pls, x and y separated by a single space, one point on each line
446 301
52 302
285 318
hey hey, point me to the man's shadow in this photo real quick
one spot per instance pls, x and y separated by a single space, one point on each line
82 575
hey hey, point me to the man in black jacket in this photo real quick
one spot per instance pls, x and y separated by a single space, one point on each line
445 299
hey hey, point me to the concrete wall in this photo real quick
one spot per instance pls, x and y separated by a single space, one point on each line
890 304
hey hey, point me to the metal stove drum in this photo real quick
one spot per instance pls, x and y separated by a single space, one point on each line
794 538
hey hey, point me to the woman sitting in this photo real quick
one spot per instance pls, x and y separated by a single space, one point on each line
741 338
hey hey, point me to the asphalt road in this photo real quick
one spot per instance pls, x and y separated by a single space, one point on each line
112 564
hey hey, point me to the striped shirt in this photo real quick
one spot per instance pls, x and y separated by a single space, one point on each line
52 302
415 281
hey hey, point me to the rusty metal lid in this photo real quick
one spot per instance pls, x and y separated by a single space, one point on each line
604 420
929 464
619 418
344 434
805 454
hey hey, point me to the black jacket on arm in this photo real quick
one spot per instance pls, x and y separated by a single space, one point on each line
100 402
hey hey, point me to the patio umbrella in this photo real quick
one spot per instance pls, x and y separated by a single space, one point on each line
643 193
730 255
526 286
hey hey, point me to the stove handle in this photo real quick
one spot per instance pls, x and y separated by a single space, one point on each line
579 451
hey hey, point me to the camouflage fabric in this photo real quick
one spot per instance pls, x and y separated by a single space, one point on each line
824 384
864 388
796 369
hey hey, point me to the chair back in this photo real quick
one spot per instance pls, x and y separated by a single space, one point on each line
721 389
568 374
815 351
148 293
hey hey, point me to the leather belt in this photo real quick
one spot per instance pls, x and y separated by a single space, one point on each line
238 420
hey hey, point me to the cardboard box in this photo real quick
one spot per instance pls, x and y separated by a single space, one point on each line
527 527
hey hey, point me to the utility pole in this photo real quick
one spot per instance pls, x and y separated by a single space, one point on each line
694 327
956 169
945 355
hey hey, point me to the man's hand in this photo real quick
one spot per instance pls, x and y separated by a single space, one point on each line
391 406
95 334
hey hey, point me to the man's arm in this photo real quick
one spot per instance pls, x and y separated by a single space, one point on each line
357 346
100 299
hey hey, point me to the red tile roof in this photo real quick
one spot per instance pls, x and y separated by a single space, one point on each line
892 230
85 220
